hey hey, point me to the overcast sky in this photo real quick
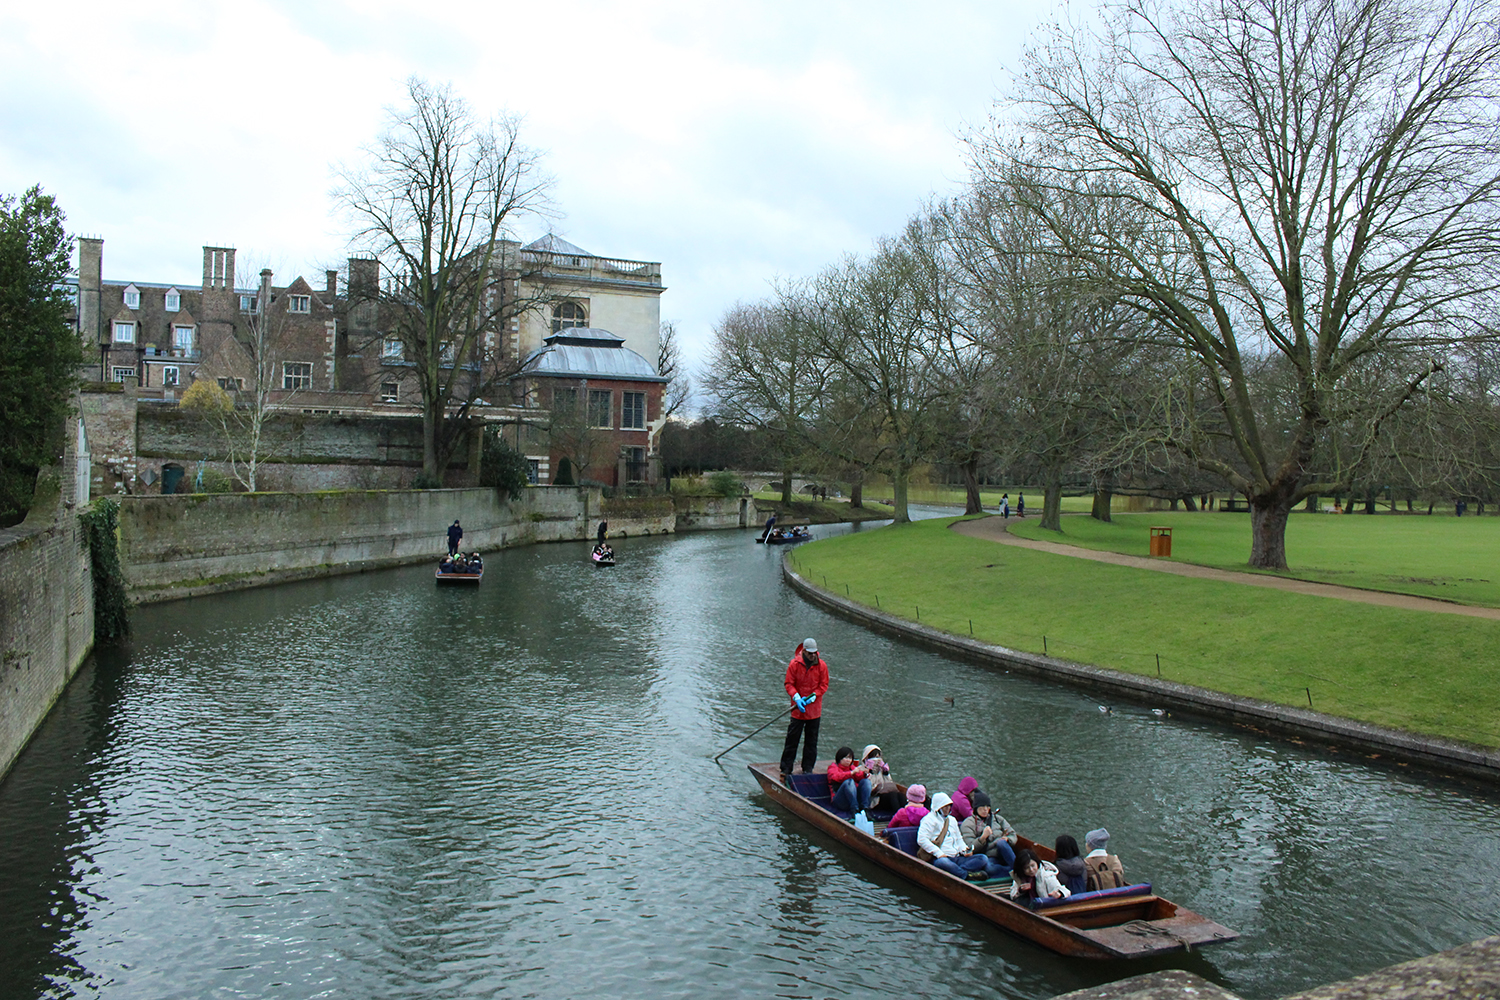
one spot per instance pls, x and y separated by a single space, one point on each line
732 144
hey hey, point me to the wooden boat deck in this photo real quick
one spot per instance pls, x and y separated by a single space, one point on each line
1109 927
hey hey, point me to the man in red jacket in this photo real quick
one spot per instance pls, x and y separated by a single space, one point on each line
806 683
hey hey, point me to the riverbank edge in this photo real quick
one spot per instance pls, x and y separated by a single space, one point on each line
1469 970
1447 756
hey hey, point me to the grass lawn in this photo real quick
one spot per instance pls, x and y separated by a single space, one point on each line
1450 558
1412 670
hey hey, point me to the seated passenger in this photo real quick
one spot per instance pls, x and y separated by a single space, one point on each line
446 566
963 808
911 814
885 795
1071 870
938 835
986 837
1034 879
848 782
1104 869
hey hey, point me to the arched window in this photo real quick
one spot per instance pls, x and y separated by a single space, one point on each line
566 314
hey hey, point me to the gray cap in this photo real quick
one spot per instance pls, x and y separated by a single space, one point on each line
811 645
1096 839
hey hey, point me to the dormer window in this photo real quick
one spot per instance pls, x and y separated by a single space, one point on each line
182 338
132 297
173 301
124 332
299 303
247 303
568 314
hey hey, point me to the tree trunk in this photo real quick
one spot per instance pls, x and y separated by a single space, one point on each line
1268 516
1052 500
1312 505
786 486
857 491
431 424
971 487
1102 499
1189 504
898 487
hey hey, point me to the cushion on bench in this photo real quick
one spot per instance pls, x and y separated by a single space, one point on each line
902 838
1139 889
811 786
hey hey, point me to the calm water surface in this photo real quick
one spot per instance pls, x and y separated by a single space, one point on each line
370 787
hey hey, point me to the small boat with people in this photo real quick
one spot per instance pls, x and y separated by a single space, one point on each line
1126 922
602 555
462 568
788 536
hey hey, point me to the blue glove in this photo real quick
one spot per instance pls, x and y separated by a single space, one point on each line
799 701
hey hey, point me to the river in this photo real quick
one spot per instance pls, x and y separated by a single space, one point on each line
370 787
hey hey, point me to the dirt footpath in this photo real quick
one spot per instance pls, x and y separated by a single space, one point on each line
993 529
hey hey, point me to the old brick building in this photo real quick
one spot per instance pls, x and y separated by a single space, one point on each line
605 405
324 350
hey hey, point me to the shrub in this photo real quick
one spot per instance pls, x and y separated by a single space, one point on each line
564 475
503 468
726 483
426 482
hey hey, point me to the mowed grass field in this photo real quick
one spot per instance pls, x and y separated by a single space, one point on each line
1449 558
1427 673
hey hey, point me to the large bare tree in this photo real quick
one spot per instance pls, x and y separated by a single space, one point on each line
1319 181
435 204
764 371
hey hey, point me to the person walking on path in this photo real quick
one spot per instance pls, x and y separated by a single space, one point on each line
1005 506
455 535
806 683
1020 505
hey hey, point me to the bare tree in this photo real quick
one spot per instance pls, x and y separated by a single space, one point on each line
764 371
880 324
435 204
249 373
679 389
1319 180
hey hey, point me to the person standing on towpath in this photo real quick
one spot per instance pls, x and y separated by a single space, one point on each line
806 683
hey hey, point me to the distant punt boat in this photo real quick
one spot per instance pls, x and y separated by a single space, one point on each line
1129 922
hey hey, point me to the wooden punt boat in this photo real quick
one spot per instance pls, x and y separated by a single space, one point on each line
600 559
469 578
1097 926
797 535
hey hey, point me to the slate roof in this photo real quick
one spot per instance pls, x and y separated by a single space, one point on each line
556 244
589 352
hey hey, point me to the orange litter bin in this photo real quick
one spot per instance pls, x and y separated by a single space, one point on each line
1161 542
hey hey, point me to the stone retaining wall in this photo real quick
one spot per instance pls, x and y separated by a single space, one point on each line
46 618
713 511
187 545
1284 720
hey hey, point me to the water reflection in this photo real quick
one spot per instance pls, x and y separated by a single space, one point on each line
372 787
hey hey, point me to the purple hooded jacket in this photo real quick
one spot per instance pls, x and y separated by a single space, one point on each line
962 807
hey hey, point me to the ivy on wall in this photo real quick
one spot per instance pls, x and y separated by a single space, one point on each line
101 523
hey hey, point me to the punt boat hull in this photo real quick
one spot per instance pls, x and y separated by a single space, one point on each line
1109 928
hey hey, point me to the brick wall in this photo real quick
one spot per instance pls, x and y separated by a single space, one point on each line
46 619
182 546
